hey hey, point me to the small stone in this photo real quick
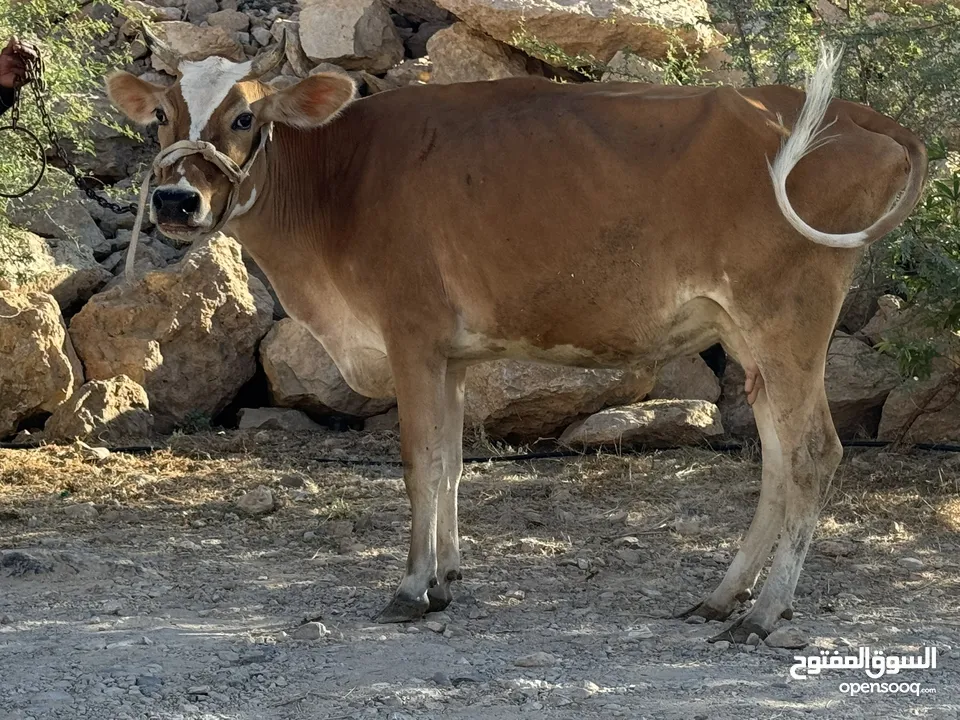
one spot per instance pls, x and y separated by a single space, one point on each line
584 690
199 690
722 645
754 639
442 679
536 660
98 453
310 631
583 563
190 708
293 481
309 535
641 632
695 620
5 620
256 502
435 627
516 595
835 548
81 511
112 607
788 637
910 563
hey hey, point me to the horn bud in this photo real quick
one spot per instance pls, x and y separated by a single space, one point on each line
268 59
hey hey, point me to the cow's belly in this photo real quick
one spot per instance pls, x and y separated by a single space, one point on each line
691 327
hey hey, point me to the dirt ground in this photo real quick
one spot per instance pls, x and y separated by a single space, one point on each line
168 602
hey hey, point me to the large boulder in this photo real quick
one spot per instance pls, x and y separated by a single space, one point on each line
197 43
531 400
936 399
107 411
188 334
686 378
63 268
858 380
56 210
657 423
600 28
356 34
300 374
39 369
460 54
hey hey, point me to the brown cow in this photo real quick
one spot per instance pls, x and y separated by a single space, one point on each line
598 225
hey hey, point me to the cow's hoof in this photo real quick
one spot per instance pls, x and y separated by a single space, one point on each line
441 595
740 630
403 609
704 610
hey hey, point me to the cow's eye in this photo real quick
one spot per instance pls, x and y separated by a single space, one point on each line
161 116
244 121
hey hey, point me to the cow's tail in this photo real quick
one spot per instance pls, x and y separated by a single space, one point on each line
808 134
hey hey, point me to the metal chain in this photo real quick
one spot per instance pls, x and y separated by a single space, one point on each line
35 77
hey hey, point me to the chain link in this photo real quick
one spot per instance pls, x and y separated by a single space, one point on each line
35 77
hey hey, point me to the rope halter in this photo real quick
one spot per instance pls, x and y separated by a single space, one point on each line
183 149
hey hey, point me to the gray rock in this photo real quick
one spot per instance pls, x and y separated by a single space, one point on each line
911 563
310 631
257 502
56 209
355 34
655 423
109 411
858 381
229 20
686 378
197 11
276 419
788 637
66 269
461 54
536 660
81 511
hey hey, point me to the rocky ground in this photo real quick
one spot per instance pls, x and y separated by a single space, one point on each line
136 586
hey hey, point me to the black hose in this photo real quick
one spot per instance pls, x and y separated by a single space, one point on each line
522 457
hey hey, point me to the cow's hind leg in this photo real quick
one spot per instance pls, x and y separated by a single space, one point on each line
741 577
421 385
448 538
810 453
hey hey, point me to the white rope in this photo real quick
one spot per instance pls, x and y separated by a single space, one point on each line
177 152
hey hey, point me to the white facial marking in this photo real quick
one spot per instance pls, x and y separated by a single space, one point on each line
245 207
205 85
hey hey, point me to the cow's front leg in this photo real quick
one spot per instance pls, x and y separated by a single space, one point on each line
421 402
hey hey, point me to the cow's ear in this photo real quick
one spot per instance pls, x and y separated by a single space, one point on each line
310 103
136 98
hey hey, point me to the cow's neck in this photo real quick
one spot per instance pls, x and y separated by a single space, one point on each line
285 226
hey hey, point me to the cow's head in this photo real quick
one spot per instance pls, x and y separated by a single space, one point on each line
224 103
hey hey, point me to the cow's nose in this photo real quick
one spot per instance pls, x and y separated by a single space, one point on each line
175 205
